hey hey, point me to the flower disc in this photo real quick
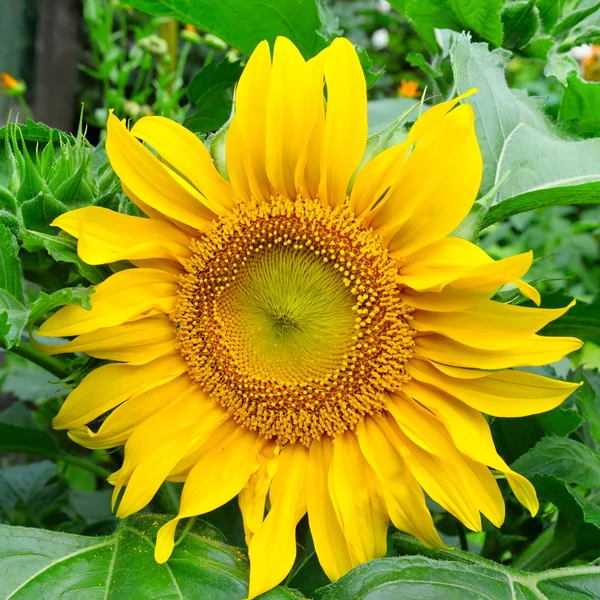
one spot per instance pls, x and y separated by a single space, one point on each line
290 317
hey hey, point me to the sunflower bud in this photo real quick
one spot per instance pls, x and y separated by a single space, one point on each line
155 45
190 34
212 41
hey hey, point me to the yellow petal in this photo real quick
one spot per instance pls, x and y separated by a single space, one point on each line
428 203
277 535
215 480
156 215
501 394
109 385
221 428
330 544
308 169
485 279
292 106
437 264
432 119
106 236
122 296
404 496
534 351
157 445
357 499
188 156
376 177
136 342
440 479
474 285
237 158
488 325
253 496
424 430
249 124
122 421
345 133
471 434
151 181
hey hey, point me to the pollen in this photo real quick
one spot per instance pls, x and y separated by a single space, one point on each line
290 317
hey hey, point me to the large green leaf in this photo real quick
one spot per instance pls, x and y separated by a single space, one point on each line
245 23
521 150
567 459
211 94
50 565
27 440
460 576
481 17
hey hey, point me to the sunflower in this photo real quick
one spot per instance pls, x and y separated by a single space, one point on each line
302 346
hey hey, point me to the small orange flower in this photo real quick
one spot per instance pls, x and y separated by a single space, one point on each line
191 29
9 82
409 89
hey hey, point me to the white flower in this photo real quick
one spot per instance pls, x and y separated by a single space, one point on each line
380 38
384 6
580 52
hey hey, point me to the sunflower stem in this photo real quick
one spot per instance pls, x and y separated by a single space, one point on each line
50 364
84 464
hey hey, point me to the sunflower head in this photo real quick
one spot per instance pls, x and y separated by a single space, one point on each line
283 335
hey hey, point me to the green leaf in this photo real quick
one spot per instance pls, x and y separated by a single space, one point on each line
480 17
35 132
550 11
567 459
581 321
574 18
27 440
211 95
560 421
578 27
10 266
418 60
13 313
520 21
28 381
498 109
40 211
580 104
45 303
371 76
460 576
31 486
62 249
560 66
243 24
588 398
37 562
517 139
576 531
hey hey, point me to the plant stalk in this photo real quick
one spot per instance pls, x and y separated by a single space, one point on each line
49 363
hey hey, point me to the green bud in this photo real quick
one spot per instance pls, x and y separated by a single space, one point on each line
212 41
155 45
191 35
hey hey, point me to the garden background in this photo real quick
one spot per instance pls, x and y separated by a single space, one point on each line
66 63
